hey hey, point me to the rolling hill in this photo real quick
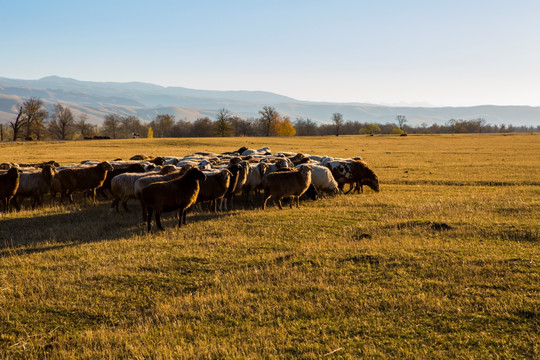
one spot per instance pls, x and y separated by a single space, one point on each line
98 99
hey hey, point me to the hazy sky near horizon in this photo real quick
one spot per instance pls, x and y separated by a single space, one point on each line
452 53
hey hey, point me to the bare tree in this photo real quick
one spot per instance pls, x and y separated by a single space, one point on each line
111 125
223 126
163 125
35 115
337 118
268 116
62 124
401 120
17 125
83 126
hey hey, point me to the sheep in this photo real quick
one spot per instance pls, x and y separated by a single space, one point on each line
287 183
178 194
355 172
214 187
262 151
34 184
123 185
322 179
9 183
82 179
40 165
254 180
363 175
141 183
119 168
234 169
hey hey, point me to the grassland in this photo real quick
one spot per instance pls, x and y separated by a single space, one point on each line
444 262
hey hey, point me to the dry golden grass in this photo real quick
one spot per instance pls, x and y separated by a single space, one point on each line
444 262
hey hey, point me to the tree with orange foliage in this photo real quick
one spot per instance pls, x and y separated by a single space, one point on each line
282 127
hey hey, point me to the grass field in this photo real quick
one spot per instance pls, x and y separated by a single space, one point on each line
444 262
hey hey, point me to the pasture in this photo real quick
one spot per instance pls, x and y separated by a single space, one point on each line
443 262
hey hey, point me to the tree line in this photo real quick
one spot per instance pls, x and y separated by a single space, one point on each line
34 122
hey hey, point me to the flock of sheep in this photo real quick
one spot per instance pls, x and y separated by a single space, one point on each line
164 184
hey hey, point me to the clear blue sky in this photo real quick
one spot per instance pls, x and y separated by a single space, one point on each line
460 52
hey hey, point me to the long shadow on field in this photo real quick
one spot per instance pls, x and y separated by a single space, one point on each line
83 223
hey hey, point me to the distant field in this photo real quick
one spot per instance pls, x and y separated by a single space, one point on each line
444 262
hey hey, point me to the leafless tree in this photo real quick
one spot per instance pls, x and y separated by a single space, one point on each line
34 114
268 116
223 126
62 124
86 129
401 120
111 125
18 123
337 118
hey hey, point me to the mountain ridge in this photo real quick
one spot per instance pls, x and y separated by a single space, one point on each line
146 100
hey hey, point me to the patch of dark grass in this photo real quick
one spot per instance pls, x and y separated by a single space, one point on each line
433 225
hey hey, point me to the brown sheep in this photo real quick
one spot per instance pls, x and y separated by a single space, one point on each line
82 179
143 182
363 175
214 187
9 183
173 195
286 183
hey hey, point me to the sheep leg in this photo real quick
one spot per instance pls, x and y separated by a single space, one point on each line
144 212
114 204
182 219
35 201
149 219
93 195
291 201
16 202
158 220
265 200
279 203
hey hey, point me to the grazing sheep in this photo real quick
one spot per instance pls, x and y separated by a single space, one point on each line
287 183
123 185
214 187
322 179
34 184
9 183
82 179
355 172
178 194
363 175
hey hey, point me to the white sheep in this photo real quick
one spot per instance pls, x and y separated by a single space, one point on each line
322 179
34 183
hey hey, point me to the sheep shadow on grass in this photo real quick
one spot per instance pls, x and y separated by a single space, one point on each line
77 224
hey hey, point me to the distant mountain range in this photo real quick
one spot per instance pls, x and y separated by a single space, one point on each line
145 101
